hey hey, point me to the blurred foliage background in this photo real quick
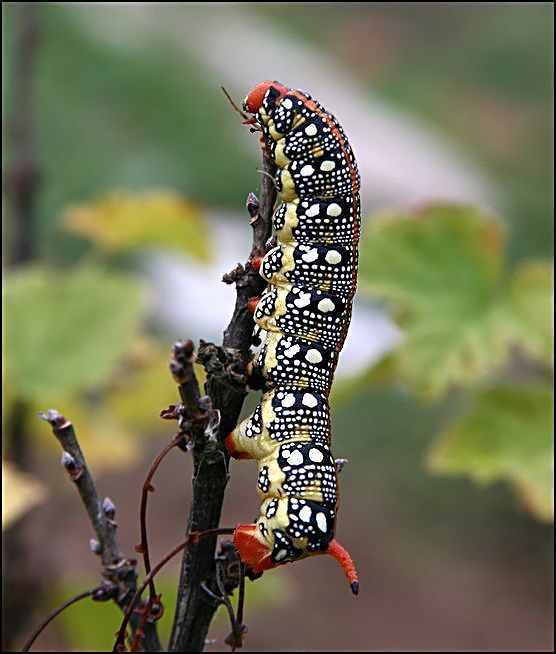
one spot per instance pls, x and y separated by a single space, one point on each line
447 502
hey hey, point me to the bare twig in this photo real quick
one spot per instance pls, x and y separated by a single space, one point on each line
193 613
117 569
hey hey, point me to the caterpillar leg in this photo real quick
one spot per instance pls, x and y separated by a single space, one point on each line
245 441
251 550
256 262
250 440
252 304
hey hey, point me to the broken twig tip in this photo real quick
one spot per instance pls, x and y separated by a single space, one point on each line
54 418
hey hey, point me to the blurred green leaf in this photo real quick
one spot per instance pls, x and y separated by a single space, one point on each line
442 269
378 376
147 388
107 441
90 626
119 221
506 434
531 300
66 332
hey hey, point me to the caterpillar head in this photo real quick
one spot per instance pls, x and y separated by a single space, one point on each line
264 94
258 555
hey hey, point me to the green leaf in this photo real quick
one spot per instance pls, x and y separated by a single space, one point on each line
506 434
119 221
65 332
442 271
531 302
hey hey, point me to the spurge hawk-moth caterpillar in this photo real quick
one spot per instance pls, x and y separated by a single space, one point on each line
305 310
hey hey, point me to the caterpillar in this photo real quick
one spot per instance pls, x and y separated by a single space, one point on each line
306 311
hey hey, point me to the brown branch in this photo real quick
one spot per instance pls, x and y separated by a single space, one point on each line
117 569
226 388
24 582
22 176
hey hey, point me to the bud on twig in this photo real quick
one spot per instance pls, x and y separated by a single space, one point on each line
172 412
340 464
106 592
95 546
204 403
71 466
68 461
109 508
252 205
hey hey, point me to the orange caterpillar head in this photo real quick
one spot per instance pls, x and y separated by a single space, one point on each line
255 98
257 555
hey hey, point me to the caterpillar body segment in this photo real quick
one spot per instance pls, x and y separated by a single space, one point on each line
305 310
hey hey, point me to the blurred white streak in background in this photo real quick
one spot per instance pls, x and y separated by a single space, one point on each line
190 297
402 159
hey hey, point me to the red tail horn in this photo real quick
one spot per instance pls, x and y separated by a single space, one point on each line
344 559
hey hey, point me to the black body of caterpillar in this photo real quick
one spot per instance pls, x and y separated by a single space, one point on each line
306 310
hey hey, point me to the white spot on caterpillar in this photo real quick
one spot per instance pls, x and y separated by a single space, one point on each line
292 351
327 165
315 455
313 211
333 257
295 458
303 300
311 255
307 170
326 305
313 356
281 555
287 103
289 400
334 209
305 514
309 400
311 130
321 522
